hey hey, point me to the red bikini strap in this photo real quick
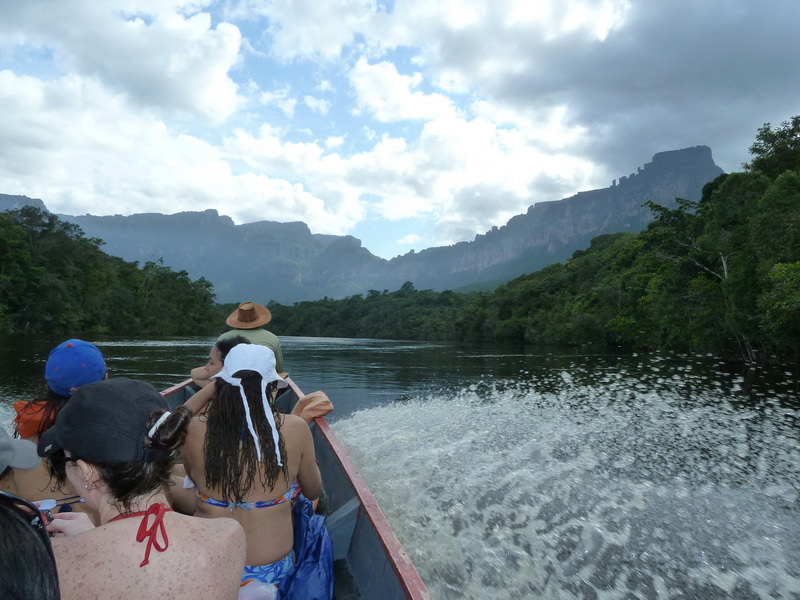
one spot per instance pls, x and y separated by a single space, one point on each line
151 532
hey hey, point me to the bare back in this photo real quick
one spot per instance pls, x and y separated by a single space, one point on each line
204 559
268 529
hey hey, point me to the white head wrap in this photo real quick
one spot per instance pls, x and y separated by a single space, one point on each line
252 357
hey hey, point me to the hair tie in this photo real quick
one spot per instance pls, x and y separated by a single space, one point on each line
157 424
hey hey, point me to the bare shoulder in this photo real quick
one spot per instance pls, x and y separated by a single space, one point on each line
218 529
293 422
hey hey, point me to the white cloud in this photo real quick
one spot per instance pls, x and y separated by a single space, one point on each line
317 105
409 239
458 114
280 98
307 28
390 96
161 58
334 142
83 149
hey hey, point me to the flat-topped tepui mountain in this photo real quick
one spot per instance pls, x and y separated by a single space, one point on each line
285 262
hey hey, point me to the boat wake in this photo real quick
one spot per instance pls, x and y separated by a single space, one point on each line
609 489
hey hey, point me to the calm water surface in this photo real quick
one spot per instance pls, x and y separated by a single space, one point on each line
544 474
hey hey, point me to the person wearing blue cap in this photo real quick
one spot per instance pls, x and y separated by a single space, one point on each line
69 366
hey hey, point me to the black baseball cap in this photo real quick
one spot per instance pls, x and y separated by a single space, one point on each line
106 422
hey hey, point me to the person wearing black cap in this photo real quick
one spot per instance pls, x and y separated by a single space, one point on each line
101 443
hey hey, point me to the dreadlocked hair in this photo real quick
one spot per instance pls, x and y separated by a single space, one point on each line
231 459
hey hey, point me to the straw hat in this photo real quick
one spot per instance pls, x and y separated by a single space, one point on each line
249 315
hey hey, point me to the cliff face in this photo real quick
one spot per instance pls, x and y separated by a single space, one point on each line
285 262
551 231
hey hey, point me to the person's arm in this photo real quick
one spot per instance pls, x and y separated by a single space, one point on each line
182 499
308 474
199 400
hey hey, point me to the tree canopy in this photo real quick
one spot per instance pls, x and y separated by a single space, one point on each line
54 279
721 275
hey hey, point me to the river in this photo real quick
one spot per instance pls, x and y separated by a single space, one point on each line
544 474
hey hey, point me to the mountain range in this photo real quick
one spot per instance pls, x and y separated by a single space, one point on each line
286 262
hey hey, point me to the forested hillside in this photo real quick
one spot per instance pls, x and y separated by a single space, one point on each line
54 279
720 275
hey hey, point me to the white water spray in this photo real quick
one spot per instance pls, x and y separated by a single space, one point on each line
616 488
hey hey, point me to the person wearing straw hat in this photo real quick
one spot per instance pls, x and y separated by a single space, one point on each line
248 321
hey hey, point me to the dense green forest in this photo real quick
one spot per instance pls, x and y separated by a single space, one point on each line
54 279
720 276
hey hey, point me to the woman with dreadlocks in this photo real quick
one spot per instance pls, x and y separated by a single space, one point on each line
247 462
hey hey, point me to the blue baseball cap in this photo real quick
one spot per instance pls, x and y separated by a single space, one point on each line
72 364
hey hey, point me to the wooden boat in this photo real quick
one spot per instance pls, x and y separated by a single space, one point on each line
369 561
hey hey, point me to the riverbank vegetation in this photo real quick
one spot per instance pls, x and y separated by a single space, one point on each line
54 279
720 276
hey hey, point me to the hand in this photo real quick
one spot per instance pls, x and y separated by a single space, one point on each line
313 405
70 523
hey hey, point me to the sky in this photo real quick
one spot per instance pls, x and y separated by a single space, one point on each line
407 123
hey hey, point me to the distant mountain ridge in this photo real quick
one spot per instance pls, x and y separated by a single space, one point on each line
287 263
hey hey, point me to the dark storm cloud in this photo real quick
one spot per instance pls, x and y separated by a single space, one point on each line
672 75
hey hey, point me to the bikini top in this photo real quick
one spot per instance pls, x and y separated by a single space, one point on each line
151 532
293 491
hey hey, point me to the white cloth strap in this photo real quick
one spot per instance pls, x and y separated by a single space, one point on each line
157 424
237 382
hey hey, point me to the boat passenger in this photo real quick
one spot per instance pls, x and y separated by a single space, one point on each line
102 444
313 405
15 455
201 376
247 462
70 365
27 566
248 320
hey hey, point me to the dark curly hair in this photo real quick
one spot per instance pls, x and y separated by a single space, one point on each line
51 404
225 346
231 460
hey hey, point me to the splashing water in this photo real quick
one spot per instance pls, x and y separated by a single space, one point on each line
585 486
